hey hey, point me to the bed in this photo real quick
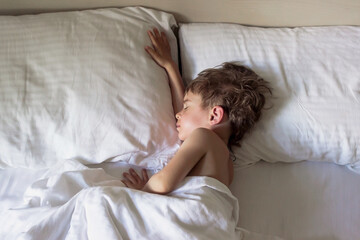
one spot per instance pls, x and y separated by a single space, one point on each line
81 102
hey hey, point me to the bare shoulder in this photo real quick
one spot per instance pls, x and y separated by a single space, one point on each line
208 136
198 136
215 161
206 140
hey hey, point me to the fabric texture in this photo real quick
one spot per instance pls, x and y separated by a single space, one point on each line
79 85
297 201
304 200
89 204
314 113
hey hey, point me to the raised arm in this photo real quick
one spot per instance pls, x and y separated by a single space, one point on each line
191 151
161 53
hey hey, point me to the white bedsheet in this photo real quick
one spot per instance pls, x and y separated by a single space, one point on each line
88 203
306 200
299 201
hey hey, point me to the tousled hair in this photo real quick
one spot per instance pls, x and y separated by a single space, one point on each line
238 90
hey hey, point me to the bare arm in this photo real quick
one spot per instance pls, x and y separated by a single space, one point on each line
176 86
191 151
189 154
161 53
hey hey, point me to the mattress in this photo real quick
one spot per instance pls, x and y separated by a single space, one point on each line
305 200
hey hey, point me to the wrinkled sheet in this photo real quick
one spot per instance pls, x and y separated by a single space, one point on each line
90 204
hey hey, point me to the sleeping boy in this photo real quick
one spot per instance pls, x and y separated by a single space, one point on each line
213 113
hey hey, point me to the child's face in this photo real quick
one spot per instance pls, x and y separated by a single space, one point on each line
192 116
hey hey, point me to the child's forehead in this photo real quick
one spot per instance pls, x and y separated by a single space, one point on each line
192 98
190 95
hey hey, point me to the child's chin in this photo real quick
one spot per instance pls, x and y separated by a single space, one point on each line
181 137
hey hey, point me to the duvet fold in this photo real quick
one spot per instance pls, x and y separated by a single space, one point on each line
89 204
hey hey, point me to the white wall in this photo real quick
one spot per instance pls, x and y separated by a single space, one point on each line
252 12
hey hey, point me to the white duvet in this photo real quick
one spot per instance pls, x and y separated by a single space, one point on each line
90 204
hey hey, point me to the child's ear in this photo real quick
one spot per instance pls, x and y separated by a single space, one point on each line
216 115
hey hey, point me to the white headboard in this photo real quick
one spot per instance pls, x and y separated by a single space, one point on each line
248 12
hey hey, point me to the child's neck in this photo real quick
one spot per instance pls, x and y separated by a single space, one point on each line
223 130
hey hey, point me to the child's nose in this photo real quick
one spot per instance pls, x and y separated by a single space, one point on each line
177 116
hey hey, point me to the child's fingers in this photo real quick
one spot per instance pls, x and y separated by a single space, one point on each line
152 38
156 32
158 39
164 38
153 54
125 182
155 39
129 178
151 51
145 176
135 175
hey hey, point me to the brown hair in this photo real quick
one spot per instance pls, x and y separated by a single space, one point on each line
238 90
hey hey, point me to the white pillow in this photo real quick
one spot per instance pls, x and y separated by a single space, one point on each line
79 85
315 76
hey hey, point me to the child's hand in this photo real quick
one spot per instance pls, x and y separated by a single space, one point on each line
161 51
134 181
